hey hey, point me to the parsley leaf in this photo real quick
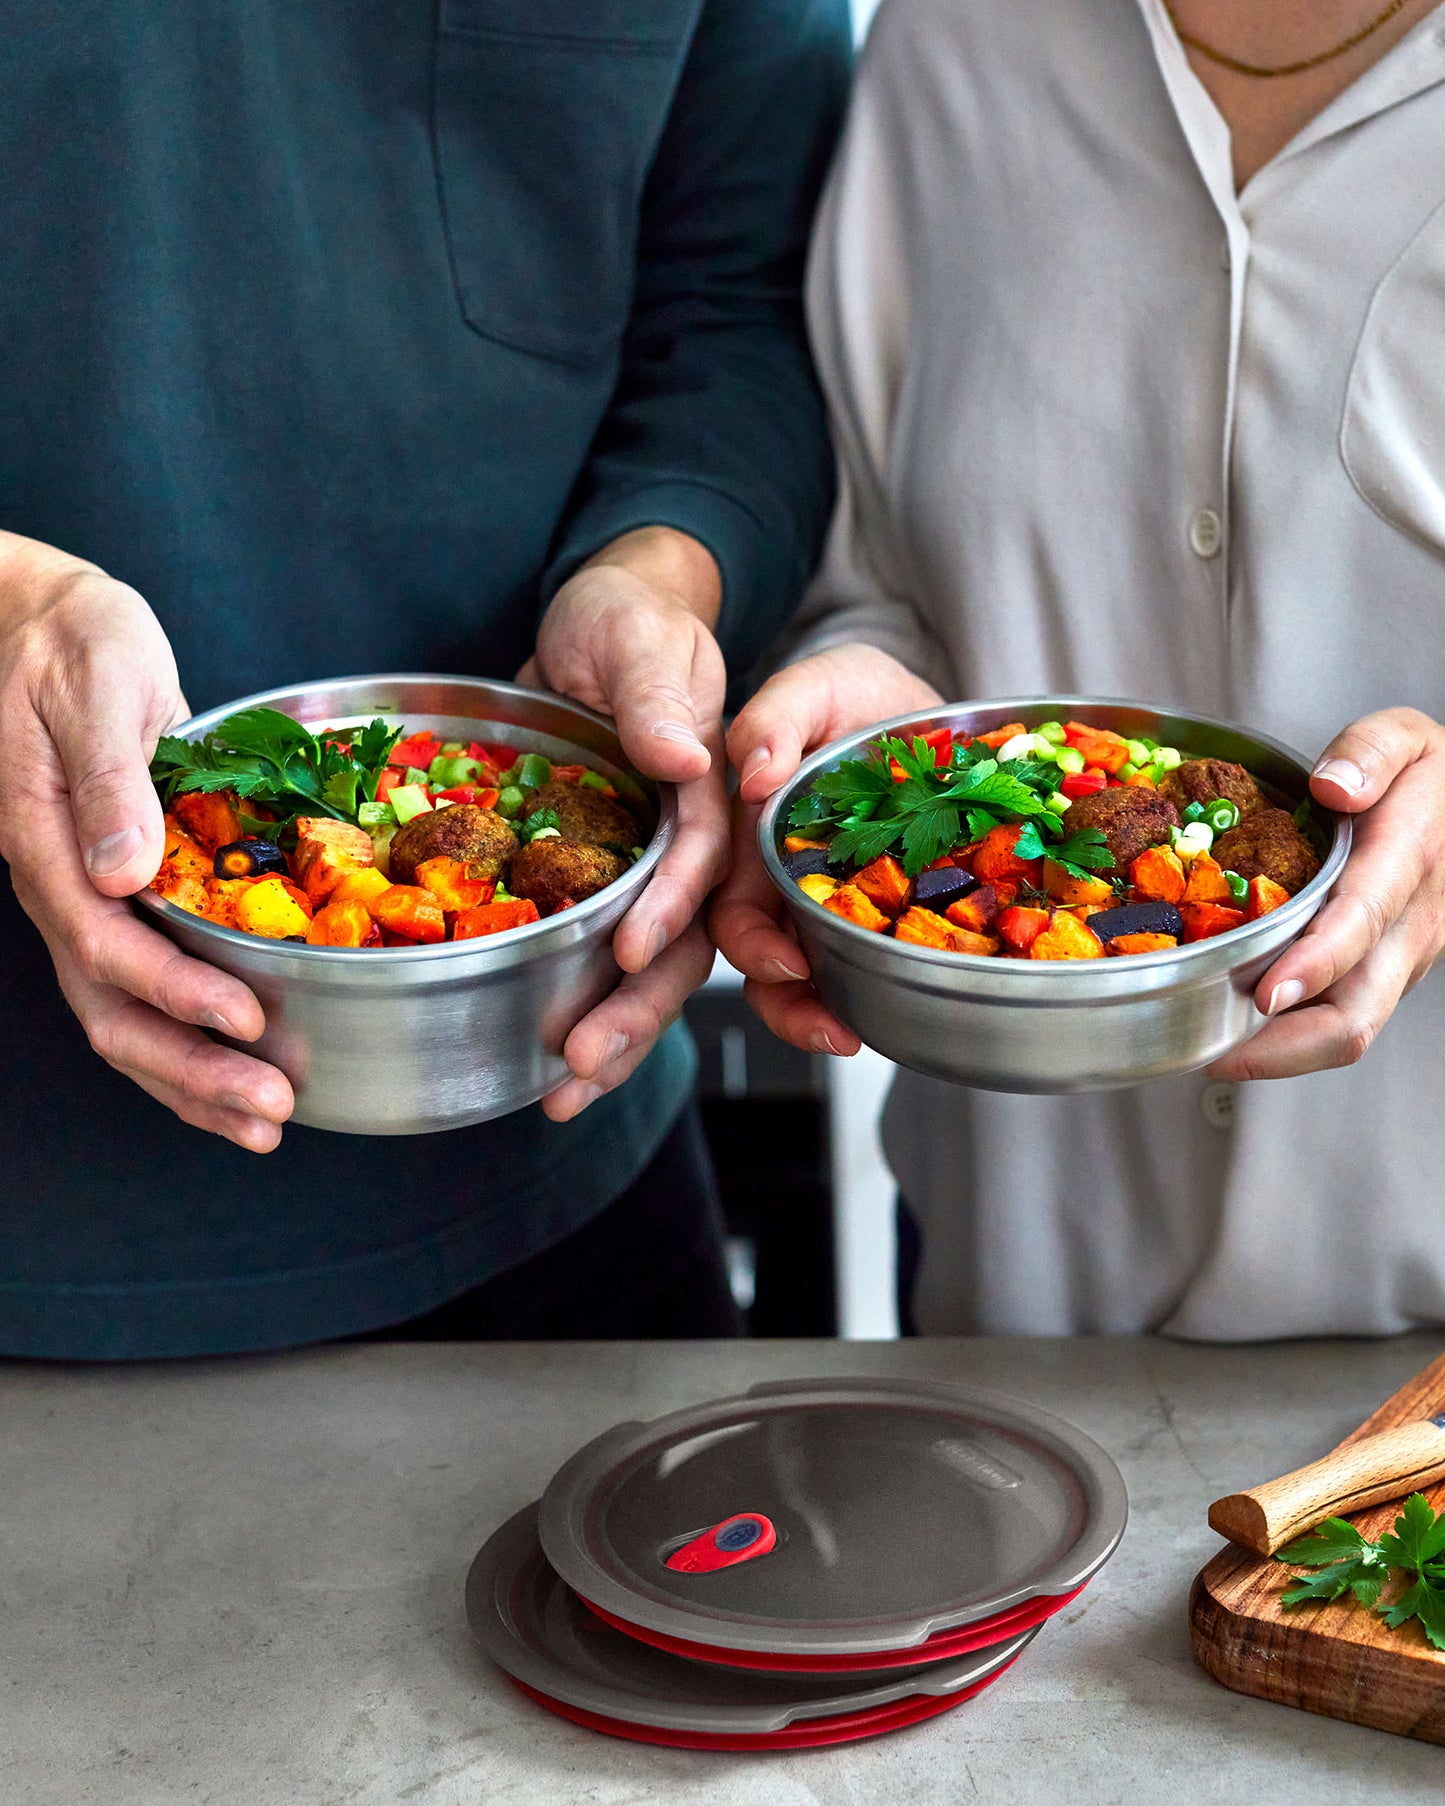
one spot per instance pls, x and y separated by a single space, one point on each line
1348 1562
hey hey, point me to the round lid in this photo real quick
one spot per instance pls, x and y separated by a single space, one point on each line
533 1626
832 1516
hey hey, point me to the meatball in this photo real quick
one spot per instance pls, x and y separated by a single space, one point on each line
478 837
1131 820
587 817
1206 780
555 872
1267 844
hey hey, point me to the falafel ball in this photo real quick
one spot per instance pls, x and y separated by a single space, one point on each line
478 837
586 817
554 872
1267 844
1206 780
1131 821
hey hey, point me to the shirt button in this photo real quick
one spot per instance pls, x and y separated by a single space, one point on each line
1217 1105
1206 532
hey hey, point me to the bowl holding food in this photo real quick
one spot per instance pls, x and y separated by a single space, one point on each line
419 877
1050 894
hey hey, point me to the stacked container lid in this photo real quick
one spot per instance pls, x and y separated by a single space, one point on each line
811 1562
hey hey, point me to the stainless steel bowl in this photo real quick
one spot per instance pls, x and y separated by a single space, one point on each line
1045 1025
404 1040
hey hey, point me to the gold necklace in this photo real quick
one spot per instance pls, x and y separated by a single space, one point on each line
1310 62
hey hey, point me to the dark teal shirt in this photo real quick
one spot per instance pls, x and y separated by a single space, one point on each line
343 332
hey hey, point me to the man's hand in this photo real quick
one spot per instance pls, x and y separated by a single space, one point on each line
1383 927
800 709
87 685
630 635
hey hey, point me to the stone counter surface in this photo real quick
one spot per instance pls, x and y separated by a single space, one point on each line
240 1582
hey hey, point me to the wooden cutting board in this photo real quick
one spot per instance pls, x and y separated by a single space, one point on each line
1338 1659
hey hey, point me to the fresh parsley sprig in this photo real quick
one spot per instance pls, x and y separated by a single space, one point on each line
1081 854
1349 1563
932 807
266 758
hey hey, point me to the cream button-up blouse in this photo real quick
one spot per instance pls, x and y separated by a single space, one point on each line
1105 427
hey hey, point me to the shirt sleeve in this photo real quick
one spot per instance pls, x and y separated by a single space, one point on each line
716 426
858 306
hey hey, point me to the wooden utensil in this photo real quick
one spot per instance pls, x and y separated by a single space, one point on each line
1387 1465
1336 1657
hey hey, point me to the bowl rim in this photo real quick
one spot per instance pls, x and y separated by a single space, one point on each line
631 883
1302 903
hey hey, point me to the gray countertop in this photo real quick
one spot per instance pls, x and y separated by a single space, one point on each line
241 1582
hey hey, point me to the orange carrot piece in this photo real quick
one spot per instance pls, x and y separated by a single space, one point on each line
210 817
342 925
1141 943
410 911
449 883
924 928
493 918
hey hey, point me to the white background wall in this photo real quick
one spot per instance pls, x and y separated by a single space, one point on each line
863 11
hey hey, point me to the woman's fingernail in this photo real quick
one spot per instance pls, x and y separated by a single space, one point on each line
656 941
613 1048
821 1042
676 730
110 854
783 970
754 763
1343 772
1285 996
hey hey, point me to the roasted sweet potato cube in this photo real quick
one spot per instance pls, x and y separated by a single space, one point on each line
854 906
1202 921
977 912
492 918
1206 882
222 894
364 886
885 884
267 907
411 912
1141 943
448 882
817 885
1065 888
1157 876
799 843
342 925
995 857
1021 925
184 871
211 817
1264 895
924 928
1066 937
326 851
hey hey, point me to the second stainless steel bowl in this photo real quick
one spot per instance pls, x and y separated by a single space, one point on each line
403 1040
1046 1025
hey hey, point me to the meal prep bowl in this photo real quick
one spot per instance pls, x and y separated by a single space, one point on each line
1053 1025
404 1040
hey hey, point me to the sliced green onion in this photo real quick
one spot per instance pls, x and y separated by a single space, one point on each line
1139 752
1238 887
1190 842
1194 812
510 802
1052 731
1222 815
1057 803
530 772
594 780
1169 757
375 816
1069 758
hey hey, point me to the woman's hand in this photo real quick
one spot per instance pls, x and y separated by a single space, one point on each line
805 706
87 685
630 635
1330 994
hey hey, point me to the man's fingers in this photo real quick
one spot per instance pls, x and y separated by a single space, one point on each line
794 1013
1359 765
687 872
612 1040
254 1133
665 686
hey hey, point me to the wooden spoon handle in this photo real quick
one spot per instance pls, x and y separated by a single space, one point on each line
1384 1466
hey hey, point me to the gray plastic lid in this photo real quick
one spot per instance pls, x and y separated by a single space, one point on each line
533 1626
901 1508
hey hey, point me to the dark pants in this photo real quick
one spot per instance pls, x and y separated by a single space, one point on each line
650 1266
910 1257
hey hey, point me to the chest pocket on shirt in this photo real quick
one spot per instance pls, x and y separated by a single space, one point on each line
546 118
1392 438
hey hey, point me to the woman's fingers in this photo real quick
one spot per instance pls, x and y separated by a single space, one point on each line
1360 764
1338 1028
612 1040
744 916
795 1015
1397 845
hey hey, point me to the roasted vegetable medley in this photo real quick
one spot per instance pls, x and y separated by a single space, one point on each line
1061 842
368 837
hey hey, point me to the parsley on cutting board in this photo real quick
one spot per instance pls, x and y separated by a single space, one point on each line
1349 1563
932 807
267 758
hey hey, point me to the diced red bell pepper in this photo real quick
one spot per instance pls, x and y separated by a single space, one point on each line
941 740
459 793
1100 746
1082 783
996 736
416 749
503 757
388 781
567 774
